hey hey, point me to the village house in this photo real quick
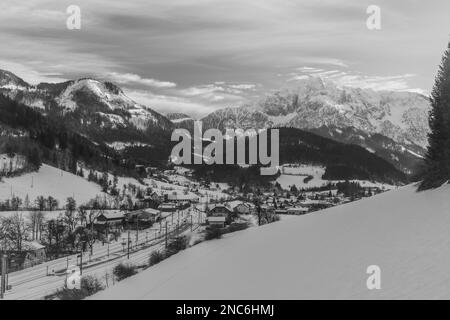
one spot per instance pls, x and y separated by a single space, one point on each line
183 205
167 207
147 202
143 218
191 198
267 209
281 211
219 211
32 253
297 210
110 221
315 204
218 222
241 207
155 196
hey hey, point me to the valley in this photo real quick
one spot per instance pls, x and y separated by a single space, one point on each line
83 168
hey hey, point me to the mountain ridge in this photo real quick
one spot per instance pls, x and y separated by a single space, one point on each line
322 107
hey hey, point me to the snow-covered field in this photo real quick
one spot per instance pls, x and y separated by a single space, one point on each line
321 255
296 176
49 181
48 215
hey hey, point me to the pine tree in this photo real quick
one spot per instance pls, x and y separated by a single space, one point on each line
437 159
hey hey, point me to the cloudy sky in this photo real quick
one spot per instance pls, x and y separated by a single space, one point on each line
195 56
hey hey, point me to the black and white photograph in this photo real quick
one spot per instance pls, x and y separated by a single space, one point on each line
225 151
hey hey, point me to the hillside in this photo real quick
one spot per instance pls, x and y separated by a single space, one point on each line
49 181
97 110
323 255
38 139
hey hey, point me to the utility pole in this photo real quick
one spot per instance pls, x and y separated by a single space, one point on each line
4 258
166 234
81 262
137 231
128 253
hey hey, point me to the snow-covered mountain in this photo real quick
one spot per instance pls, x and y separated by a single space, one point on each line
87 101
9 80
181 120
321 106
176 117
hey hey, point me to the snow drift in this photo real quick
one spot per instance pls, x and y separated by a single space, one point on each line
317 256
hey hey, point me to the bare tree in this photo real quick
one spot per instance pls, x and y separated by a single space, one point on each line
15 231
4 227
90 233
52 203
41 203
70 216
36 219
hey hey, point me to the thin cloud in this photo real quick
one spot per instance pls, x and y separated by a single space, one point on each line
130 78
167 104
357 80
176 48
30 74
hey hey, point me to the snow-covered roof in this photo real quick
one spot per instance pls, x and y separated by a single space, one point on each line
152 211
113 215
298 209
309 201
219 206
32 245
182 197
216 219
234 204
167 205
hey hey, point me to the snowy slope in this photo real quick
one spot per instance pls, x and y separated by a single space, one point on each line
320 255
49 181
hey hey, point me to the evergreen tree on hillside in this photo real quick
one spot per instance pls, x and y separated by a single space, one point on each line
437 159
